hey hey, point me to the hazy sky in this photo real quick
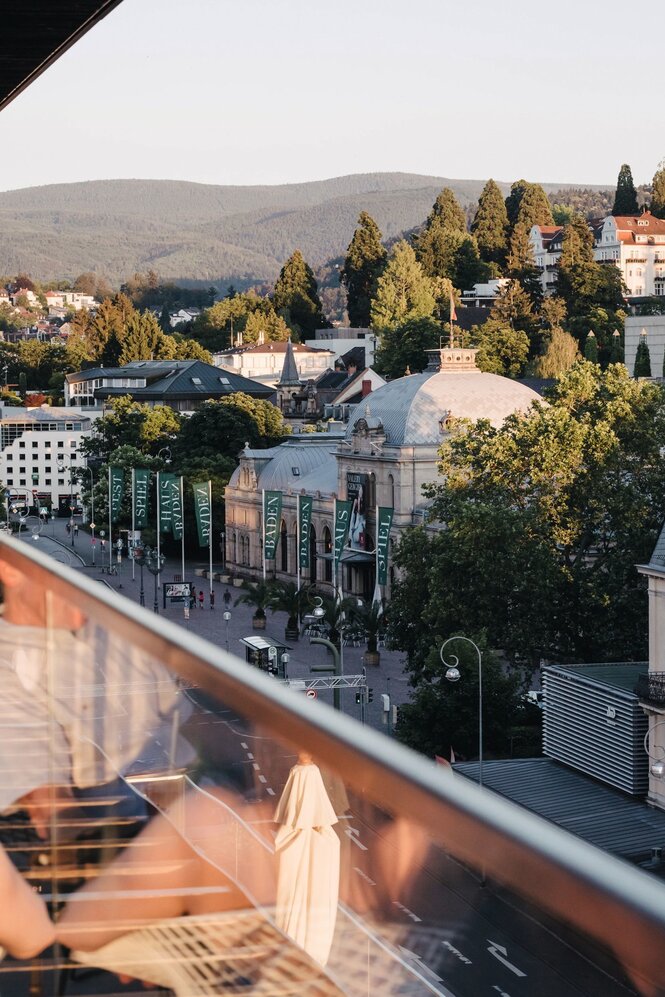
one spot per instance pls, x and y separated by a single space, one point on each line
274 91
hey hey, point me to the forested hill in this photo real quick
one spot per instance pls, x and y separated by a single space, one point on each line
204 232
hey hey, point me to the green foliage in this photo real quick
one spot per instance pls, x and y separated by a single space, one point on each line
580 201
616 348
403 293
145 428
642 359
560 354
658 192
490 225
625 199
363 265
288 598
447 213
513 307
403 347
296 297
527 204
267 418
562 214
554 509
521 263
591 347
222 428
444 249
502 349
257 594
577 243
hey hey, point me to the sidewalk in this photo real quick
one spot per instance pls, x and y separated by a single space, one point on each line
388 677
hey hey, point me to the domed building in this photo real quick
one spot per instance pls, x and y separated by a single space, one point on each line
386 454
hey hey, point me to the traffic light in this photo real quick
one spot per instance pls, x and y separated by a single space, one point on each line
370 695
359 698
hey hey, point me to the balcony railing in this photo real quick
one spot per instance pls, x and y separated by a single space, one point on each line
651 688
158 762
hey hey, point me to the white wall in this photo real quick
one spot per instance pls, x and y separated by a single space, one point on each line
655 329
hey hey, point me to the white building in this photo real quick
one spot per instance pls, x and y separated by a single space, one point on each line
388 451
37 448
341 339
484 295
546 244
652 688
264 362
653 326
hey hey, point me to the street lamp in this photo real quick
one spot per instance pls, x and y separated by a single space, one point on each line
658 768
154 563
165 450
61 467
139 555
227 617
453 674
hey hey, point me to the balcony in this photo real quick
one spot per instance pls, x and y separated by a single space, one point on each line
651 688
142 771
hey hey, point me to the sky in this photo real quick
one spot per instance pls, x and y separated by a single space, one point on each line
284 91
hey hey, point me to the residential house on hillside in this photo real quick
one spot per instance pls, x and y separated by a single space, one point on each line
264 362
181 384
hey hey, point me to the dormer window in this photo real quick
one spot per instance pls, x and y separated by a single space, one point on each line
196 380
643 223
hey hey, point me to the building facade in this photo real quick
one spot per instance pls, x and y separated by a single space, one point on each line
264 362
383 457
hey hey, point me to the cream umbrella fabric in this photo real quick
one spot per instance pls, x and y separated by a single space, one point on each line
307 850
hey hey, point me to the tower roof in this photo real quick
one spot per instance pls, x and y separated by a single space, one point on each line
289 377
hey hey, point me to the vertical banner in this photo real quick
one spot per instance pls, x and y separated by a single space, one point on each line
272 517
342 521
202 511
305 503
140 497
165 510
356 491
384 520
116 490
176 507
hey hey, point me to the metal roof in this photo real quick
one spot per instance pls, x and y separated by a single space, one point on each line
173 379
37 33
603 816
619 674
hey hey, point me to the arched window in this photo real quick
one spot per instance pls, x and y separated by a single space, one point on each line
391 490
312 554
327 547
284 547
235 547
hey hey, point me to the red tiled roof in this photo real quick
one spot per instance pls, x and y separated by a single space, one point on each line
636 223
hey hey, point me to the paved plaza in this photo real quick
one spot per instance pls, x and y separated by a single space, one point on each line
387 677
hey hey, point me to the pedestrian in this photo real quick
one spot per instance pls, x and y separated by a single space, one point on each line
227 598
201 597
68 528
186 607
76 529
212 598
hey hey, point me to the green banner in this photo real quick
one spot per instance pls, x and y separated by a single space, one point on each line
305 503
140 497
383 524
165 508
202 511
342 521
176 508
272 517
116 491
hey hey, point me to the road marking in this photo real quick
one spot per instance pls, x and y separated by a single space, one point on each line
456 952
353 834
364 876
249 754
256 766
262 778
494 949
243 744
405 910
504 993
429 974
269 791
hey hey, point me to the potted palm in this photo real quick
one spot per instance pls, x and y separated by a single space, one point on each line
289 599
369 620
259 595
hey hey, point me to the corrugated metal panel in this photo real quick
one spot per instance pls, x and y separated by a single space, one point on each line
596 727
603 816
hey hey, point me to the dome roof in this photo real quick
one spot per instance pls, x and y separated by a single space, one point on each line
411 407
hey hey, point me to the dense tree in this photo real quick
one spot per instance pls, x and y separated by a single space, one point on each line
222 428
625 199
642 358
561 352
363 265
502 349
267 417
658 192
447 213
403 348
521 263
265 325
616 349
513 307
577 243
403 292
141 337
296 297
591 347
567 499
528 204
129 423
490 225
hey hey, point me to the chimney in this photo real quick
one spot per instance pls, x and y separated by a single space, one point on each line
366 387
352 368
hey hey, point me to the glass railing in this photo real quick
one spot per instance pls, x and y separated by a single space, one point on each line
181 819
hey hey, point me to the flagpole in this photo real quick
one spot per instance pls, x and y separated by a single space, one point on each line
133 523
110 520
210 532
298 540
159 535
182 528
263 538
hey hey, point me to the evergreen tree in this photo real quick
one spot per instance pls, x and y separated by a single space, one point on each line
625 199
658 192
403 347
364 263
266 324
447 212
444 235
513 307
469 268
404 292
528 204
577 243
502 349
165 319
296 297
642 358
616 348
490 225
521 263
591 347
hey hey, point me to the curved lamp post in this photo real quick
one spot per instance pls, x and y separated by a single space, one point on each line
453 674
154 563
61 467
227 617
658 768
